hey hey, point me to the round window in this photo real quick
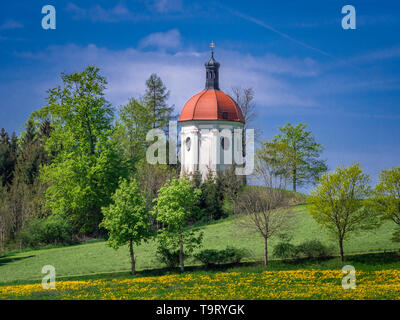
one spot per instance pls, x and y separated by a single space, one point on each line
188 142
224 143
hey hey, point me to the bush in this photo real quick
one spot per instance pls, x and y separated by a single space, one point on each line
52 230
212 257
285 250
313 249
168 255
308 249
209 257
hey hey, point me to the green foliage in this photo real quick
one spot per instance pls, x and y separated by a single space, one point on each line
81 116
295 150
211 200
8 157
22 194
177 202
196 179
285 250
212 257
80 185
135 119
167 251
168 257
230 183
31 155
126 218
339 203
386 197
52 230
87 166
151 177
217 192
313 249
307 249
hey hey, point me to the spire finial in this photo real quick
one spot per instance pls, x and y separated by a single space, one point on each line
212 67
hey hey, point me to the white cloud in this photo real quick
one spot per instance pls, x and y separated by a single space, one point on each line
11 24
162 40
379 54
97 13
283 85
183 73
164 6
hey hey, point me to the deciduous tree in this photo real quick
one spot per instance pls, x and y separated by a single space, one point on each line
134 121
177 201
126 218
86 167
386 199
297 150
339 203
264 209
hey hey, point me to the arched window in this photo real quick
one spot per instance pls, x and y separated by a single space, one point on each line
188 143
224 143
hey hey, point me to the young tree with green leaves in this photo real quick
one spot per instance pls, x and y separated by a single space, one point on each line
270 162
155 99
339 203
297 150
126 218
177 202
386 198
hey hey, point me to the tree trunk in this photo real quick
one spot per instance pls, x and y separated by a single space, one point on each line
265 251
133 270
294 178
181 253
341 250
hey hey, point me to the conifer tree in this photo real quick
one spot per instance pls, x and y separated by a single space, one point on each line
155 98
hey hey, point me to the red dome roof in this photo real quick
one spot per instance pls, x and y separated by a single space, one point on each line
211 105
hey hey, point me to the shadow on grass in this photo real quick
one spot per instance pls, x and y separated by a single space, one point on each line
9 258
52 246
375 258
367 261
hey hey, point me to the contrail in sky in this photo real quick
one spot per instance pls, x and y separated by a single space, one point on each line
284 35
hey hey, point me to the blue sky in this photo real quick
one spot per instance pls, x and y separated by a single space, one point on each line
303 66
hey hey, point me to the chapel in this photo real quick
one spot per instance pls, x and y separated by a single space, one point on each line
208 121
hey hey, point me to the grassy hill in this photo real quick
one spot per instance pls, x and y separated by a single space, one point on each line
95 258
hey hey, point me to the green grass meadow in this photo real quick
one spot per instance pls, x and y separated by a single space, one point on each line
96 260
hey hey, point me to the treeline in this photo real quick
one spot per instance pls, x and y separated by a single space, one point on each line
63 168
21 192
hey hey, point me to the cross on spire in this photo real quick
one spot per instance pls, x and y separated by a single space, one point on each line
212 46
